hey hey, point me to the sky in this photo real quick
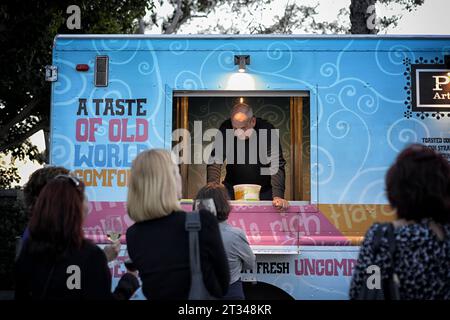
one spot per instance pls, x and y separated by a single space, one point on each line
430 18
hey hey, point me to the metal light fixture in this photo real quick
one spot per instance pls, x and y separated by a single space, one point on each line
242 61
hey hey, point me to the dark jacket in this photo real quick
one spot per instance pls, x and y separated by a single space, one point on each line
160 250
421 261
40 277
250 172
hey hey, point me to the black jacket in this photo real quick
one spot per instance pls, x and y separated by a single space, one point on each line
39 277
160 250
249 172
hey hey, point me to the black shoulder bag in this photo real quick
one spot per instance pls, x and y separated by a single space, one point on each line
390 286
198 290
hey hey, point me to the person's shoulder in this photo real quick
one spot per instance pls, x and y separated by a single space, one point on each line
154 223
374 229
131 230
446 227
263 124
88 254
91 249
226 124
175 218
207 217
236 232
176 215
377 235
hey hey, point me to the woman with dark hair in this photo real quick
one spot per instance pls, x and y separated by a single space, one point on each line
418 187
56 261
240 255
37 181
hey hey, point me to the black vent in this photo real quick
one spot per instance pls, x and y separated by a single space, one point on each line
101 71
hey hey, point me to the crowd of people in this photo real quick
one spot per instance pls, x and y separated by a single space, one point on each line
417 186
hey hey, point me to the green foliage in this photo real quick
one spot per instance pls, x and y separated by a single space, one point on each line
409 5
27 151
8 176
27 30
13 222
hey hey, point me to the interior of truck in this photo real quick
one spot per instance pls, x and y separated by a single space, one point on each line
287 111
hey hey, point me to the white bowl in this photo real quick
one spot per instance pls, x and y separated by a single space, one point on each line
247 192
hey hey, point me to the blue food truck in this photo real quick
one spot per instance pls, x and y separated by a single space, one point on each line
344 107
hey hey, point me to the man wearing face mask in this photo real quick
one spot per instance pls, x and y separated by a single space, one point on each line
246 144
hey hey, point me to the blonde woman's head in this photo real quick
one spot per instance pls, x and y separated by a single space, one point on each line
154 187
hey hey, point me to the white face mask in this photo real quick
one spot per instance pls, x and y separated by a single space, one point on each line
242 135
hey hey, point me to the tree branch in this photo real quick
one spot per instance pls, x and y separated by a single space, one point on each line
22 115
178 13
24 136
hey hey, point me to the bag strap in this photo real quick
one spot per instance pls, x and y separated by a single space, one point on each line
193 226
377 239
390 234
392 285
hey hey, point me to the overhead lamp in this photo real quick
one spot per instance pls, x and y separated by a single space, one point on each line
241 61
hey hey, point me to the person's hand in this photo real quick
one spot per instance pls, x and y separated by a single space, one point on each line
134 273
131 268
112 251
280 204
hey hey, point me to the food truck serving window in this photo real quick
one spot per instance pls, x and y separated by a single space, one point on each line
289 112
